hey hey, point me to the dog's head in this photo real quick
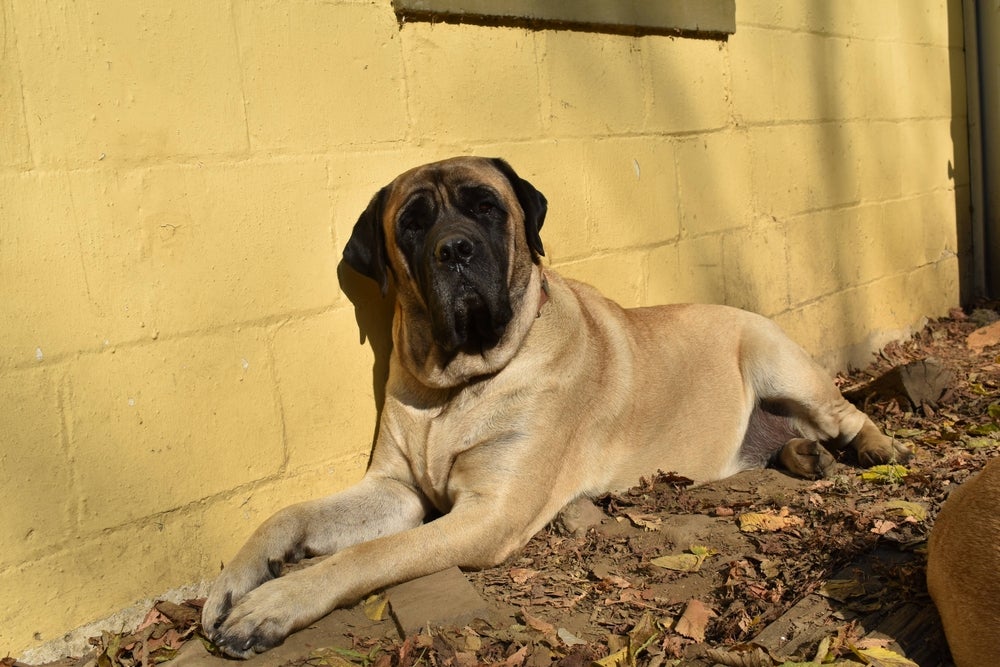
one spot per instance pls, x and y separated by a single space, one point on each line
458 239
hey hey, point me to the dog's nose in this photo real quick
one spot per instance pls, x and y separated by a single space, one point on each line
454 249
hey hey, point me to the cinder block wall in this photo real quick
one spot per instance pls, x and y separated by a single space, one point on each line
177 179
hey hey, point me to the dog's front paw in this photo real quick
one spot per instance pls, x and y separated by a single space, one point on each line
264 617
228 589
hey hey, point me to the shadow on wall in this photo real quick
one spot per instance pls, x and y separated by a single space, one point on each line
970 286
373 313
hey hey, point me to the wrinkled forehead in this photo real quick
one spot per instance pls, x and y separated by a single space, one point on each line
447 176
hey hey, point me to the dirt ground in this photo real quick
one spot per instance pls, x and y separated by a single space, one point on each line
758 569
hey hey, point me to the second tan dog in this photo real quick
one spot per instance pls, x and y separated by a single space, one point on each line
513 391
963 569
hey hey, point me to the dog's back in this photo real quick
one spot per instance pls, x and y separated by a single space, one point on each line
963 569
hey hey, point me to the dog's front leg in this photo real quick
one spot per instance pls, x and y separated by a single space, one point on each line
376 506
477 533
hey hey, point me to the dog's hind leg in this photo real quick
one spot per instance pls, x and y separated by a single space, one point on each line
787 382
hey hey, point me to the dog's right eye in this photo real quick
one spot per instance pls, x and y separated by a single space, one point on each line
415 216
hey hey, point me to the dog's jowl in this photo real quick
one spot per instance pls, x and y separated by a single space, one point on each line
513 391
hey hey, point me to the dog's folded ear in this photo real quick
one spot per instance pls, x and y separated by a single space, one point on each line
533 203
365 251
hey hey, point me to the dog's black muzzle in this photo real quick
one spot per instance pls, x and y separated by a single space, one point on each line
465 286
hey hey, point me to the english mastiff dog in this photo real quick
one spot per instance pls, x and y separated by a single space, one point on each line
513 391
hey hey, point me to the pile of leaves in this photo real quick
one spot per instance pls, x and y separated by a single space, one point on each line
701 575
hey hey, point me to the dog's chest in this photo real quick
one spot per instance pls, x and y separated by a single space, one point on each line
431 438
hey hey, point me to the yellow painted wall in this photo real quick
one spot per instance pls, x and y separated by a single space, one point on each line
177 179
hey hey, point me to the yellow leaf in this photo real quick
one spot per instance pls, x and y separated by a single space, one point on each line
688 562
703 551
889 473
906 509
679 562
375 607
616 659
883 657
979 443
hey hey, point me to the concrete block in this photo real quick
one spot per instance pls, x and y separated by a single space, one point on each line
878 158
932 220
14 146
873 71
812 76
688 87
35 477
689 272
213 245
90 579
935 156
134 254
751 62
756 269
626 287
235 243
924 86
843 328
443 598
700 270
485 96
45 289
597 83
831 250
157 426
632 186
325 382
714 182
320 75
936 22
799 168
90 95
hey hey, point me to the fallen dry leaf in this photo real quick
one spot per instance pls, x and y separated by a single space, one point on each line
983 337
907 509
883 657
889 473
538 624
644 521
520 575
517 658
882 526
375 607
768 522
685 562
694 620
842 590
568 638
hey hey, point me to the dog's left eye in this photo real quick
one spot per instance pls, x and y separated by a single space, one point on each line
485 207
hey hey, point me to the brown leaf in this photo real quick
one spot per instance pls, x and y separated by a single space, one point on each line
983 337
520 575
517 659
694 620
768 522
179 614
882 526
644 521
538 624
